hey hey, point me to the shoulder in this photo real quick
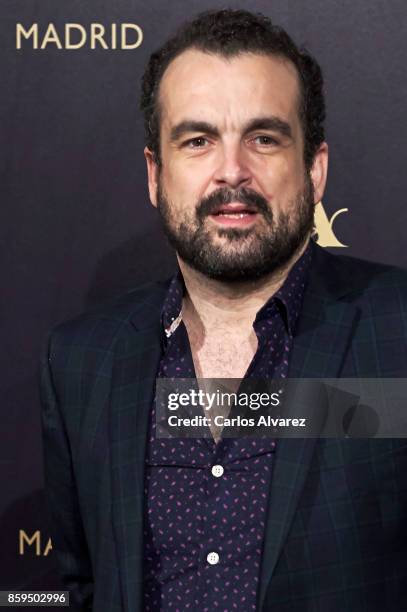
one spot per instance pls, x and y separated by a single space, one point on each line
361 279
374 272
101 326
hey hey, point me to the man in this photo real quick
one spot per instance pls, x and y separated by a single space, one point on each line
236 162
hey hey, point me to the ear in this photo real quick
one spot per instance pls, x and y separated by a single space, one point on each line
319 172
152 171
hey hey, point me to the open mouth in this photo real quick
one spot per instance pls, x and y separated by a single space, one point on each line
234 214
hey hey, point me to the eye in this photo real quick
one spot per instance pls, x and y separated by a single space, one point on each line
264 140
196 143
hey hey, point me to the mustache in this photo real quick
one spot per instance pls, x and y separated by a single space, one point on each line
250 198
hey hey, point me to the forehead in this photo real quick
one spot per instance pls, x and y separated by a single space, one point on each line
214 88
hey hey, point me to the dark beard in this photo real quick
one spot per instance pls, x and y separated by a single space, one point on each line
258 251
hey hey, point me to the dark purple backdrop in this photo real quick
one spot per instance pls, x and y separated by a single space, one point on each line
76 223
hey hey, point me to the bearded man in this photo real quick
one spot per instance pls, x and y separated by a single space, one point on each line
236 161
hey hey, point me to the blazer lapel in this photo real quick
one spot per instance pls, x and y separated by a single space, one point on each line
322 338
133 386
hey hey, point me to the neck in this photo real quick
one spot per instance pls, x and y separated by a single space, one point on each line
211 302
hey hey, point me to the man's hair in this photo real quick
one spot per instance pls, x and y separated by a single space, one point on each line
229 33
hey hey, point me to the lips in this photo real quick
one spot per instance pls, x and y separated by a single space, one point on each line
233 210
234 215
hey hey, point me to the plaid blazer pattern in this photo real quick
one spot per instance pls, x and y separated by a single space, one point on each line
336 532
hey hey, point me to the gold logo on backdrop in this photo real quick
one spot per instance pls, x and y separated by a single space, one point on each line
35 541
323 227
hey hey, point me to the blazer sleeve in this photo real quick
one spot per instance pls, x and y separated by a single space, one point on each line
68 538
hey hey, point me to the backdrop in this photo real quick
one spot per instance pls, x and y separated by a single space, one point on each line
76 223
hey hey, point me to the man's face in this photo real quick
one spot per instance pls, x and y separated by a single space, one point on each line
232 190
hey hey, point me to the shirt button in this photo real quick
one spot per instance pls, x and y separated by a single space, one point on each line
217 470
212 558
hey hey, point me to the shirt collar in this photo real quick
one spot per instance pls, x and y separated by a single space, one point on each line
171 311
288 298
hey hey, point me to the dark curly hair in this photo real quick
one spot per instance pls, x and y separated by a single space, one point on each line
228 33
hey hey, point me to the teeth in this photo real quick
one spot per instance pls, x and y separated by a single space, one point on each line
234 215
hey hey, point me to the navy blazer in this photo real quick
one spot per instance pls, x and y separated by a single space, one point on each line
336 530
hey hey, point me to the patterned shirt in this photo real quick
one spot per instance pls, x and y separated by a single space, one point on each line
206 502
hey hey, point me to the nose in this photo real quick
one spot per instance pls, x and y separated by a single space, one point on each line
232 168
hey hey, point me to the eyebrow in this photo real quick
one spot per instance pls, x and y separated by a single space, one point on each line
192 126
271 123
